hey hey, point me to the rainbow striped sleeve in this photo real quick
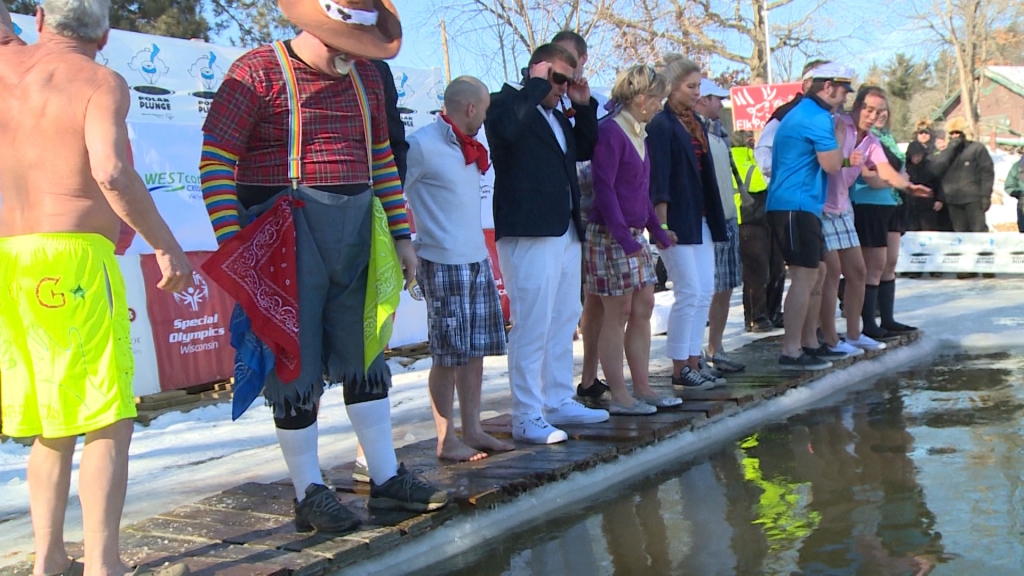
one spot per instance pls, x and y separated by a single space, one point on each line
387 186
217 176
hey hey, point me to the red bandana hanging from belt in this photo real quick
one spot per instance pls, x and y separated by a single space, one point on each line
472 149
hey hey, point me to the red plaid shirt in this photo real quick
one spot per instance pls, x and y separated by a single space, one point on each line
249 118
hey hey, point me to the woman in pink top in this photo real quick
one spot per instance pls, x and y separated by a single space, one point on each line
617 257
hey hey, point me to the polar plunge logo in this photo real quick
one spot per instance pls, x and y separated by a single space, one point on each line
206 70
151 67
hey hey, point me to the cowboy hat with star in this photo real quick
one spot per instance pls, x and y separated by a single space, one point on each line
361 28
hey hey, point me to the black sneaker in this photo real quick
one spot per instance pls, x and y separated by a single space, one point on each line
360 473
406 491
592 392
760 326
879 334
804 362
691 380
825 353
897 328
321 511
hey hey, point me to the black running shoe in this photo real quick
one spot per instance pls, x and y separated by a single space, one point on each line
825 353
592 392
406 491
804 362
320 510
897 328
761 325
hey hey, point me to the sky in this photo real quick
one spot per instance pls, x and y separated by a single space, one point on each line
868 32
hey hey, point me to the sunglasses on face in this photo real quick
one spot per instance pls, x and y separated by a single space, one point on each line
923 132
560 79
954 134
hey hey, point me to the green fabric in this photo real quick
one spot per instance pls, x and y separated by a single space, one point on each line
383 288
889 141
1014 187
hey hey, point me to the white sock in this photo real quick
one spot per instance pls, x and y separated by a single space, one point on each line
372 424
300 454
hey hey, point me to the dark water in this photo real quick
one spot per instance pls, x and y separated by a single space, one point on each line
918 473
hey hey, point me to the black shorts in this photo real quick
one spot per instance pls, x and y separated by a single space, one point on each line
874 222
799 234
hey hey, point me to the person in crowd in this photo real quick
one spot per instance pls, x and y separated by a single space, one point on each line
760 255
539 233
342 190
1015 187
967 174
619 268
843 253
464 317
922 213
591 389
763 155
60 222
923 133
806 149
728 269
684 190
877 216
763 149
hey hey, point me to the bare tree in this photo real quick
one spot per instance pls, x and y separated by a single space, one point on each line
969 28
735 30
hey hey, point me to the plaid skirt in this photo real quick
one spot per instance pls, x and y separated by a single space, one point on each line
839 231
728 269
609 271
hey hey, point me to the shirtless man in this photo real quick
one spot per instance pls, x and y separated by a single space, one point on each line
65 350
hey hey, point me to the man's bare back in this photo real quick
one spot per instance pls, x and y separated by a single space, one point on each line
46 181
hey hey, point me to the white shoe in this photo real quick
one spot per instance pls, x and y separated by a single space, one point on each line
537 431
866 343
572 412
850 350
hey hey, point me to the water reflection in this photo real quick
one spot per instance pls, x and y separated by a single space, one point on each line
919 474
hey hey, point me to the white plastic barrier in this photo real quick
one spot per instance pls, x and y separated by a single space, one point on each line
962 252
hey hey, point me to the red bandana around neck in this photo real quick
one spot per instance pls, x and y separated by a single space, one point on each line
473 150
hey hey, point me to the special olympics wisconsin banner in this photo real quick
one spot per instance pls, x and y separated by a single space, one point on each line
961 252
190 328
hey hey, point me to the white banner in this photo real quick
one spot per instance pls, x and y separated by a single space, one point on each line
961 252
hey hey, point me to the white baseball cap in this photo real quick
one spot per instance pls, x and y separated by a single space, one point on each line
837 73
709 88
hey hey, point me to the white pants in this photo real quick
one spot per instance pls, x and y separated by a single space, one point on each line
691 268
542 278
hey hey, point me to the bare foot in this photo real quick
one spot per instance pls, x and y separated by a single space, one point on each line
453 449
488 443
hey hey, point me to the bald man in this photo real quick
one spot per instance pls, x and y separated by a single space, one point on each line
464 316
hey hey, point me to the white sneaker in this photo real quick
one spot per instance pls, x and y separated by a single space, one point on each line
537 431
866 343
848 349
572 412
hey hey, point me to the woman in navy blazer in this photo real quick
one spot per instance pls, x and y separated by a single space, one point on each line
684 191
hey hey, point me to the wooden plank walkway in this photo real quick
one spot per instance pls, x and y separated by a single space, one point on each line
248 530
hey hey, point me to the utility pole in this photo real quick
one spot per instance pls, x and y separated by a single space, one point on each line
444 47
767 41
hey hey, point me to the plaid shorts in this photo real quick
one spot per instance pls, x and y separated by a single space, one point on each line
609 271
464 316
728 270
839 231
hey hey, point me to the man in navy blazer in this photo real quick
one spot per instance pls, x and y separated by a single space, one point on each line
538 229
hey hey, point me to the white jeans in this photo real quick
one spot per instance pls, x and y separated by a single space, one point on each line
542 278
691 268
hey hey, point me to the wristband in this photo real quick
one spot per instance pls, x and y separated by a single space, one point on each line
846 163
664 226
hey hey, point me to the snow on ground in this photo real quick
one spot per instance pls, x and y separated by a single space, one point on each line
1004 206
182 458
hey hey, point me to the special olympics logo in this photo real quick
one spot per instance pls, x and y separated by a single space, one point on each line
194 295
208 73
148 64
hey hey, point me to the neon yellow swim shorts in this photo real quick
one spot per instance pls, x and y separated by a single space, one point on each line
66 364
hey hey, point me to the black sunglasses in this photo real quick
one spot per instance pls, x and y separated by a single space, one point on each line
560 79
924 132
956 133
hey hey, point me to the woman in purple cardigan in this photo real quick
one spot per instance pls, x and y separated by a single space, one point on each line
617 256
